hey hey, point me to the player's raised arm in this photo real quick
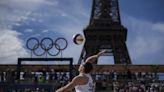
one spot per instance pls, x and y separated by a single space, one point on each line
93 58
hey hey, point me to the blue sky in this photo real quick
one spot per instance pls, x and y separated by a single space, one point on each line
22 19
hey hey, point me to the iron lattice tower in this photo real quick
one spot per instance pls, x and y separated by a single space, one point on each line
105 31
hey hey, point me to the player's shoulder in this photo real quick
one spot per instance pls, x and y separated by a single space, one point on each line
80 76
80 79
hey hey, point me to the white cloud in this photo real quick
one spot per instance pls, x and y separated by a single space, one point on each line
143 46
11 47
144 40
45 31
29 30
15 11
158 27
22 4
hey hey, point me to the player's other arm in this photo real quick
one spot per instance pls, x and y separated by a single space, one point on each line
93 58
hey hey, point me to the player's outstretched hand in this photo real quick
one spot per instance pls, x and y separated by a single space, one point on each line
101 52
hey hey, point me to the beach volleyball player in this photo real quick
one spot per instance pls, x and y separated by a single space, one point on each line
82 82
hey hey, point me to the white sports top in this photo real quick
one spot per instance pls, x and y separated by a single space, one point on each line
88 87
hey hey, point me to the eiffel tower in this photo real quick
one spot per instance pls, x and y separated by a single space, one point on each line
105 32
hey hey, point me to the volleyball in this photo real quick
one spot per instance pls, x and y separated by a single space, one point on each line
78 39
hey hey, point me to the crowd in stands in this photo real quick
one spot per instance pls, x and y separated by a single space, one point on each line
41 76
138 86
118 82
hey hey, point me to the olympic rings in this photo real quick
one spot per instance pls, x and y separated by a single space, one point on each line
46 46
57 42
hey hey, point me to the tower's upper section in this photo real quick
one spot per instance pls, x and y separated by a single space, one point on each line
106 11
